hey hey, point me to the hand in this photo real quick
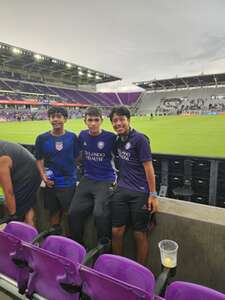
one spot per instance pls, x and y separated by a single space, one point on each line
153 204
48 182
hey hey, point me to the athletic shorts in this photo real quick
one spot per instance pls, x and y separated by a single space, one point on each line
130 208
57 199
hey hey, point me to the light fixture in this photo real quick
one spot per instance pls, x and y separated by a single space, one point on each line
16 51
38 57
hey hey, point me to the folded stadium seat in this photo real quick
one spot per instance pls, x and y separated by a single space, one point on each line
54 268
179 290
11 239
117 278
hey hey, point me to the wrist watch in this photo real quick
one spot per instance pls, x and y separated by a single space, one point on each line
153 194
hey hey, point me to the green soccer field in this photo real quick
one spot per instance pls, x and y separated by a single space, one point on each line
187 135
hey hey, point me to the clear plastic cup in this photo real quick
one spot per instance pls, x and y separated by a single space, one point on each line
168 253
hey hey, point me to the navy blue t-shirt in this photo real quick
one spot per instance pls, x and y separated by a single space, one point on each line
97 155
59 154
131 155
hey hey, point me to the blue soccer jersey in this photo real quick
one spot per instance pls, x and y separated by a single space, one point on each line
59 154
97 155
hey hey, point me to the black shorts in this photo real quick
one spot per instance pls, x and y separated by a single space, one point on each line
56 199
130 207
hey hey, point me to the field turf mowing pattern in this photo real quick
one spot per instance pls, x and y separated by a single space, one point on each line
185 135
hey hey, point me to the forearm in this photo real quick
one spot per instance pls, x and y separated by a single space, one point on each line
153 204
150 176
40 166
10 202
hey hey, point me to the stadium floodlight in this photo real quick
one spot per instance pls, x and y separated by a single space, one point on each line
16 51
38 56
68 65
80 73
89 75
54 61
97 76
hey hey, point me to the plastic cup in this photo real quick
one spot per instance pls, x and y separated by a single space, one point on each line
168 253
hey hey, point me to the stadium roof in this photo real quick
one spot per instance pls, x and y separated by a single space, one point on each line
183 82
21 60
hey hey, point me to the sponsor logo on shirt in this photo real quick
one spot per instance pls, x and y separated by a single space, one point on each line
128 145
59 146
96 156
100 145
124 155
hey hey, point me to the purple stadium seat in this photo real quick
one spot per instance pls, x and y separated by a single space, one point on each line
11 239
99 286
126 270
114 277
180 290
21 230
55 268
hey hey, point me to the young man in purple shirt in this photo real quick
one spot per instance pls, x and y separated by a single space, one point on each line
95 186
135 196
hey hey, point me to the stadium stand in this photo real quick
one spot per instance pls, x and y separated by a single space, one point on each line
198 101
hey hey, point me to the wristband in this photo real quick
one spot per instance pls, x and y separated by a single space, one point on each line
153 194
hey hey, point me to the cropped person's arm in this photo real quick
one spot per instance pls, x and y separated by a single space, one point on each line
6 183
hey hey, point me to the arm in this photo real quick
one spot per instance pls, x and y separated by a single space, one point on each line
6 183
153 204
40 166
40 161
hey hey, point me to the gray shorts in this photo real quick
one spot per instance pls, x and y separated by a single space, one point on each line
56 199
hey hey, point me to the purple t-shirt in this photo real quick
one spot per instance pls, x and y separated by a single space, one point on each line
97 155
131 155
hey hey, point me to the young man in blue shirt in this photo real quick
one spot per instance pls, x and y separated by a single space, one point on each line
56 152
95 186
135 196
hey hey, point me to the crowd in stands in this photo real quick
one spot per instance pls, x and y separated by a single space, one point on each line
15 114
177 106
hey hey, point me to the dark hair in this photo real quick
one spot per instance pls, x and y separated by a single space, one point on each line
58 110
120 111
93 111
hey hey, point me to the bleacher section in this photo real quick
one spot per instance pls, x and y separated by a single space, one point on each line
186 101
20 90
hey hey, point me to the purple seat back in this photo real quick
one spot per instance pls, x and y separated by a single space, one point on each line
64 247
126 270
11 239
9 244
99 286
52 269
180 290
21 230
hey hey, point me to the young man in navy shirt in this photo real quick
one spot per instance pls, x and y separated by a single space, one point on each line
95 187
135 196
56 152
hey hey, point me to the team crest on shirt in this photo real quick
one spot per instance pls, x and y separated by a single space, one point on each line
85 144
59 146
128 145
100 145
